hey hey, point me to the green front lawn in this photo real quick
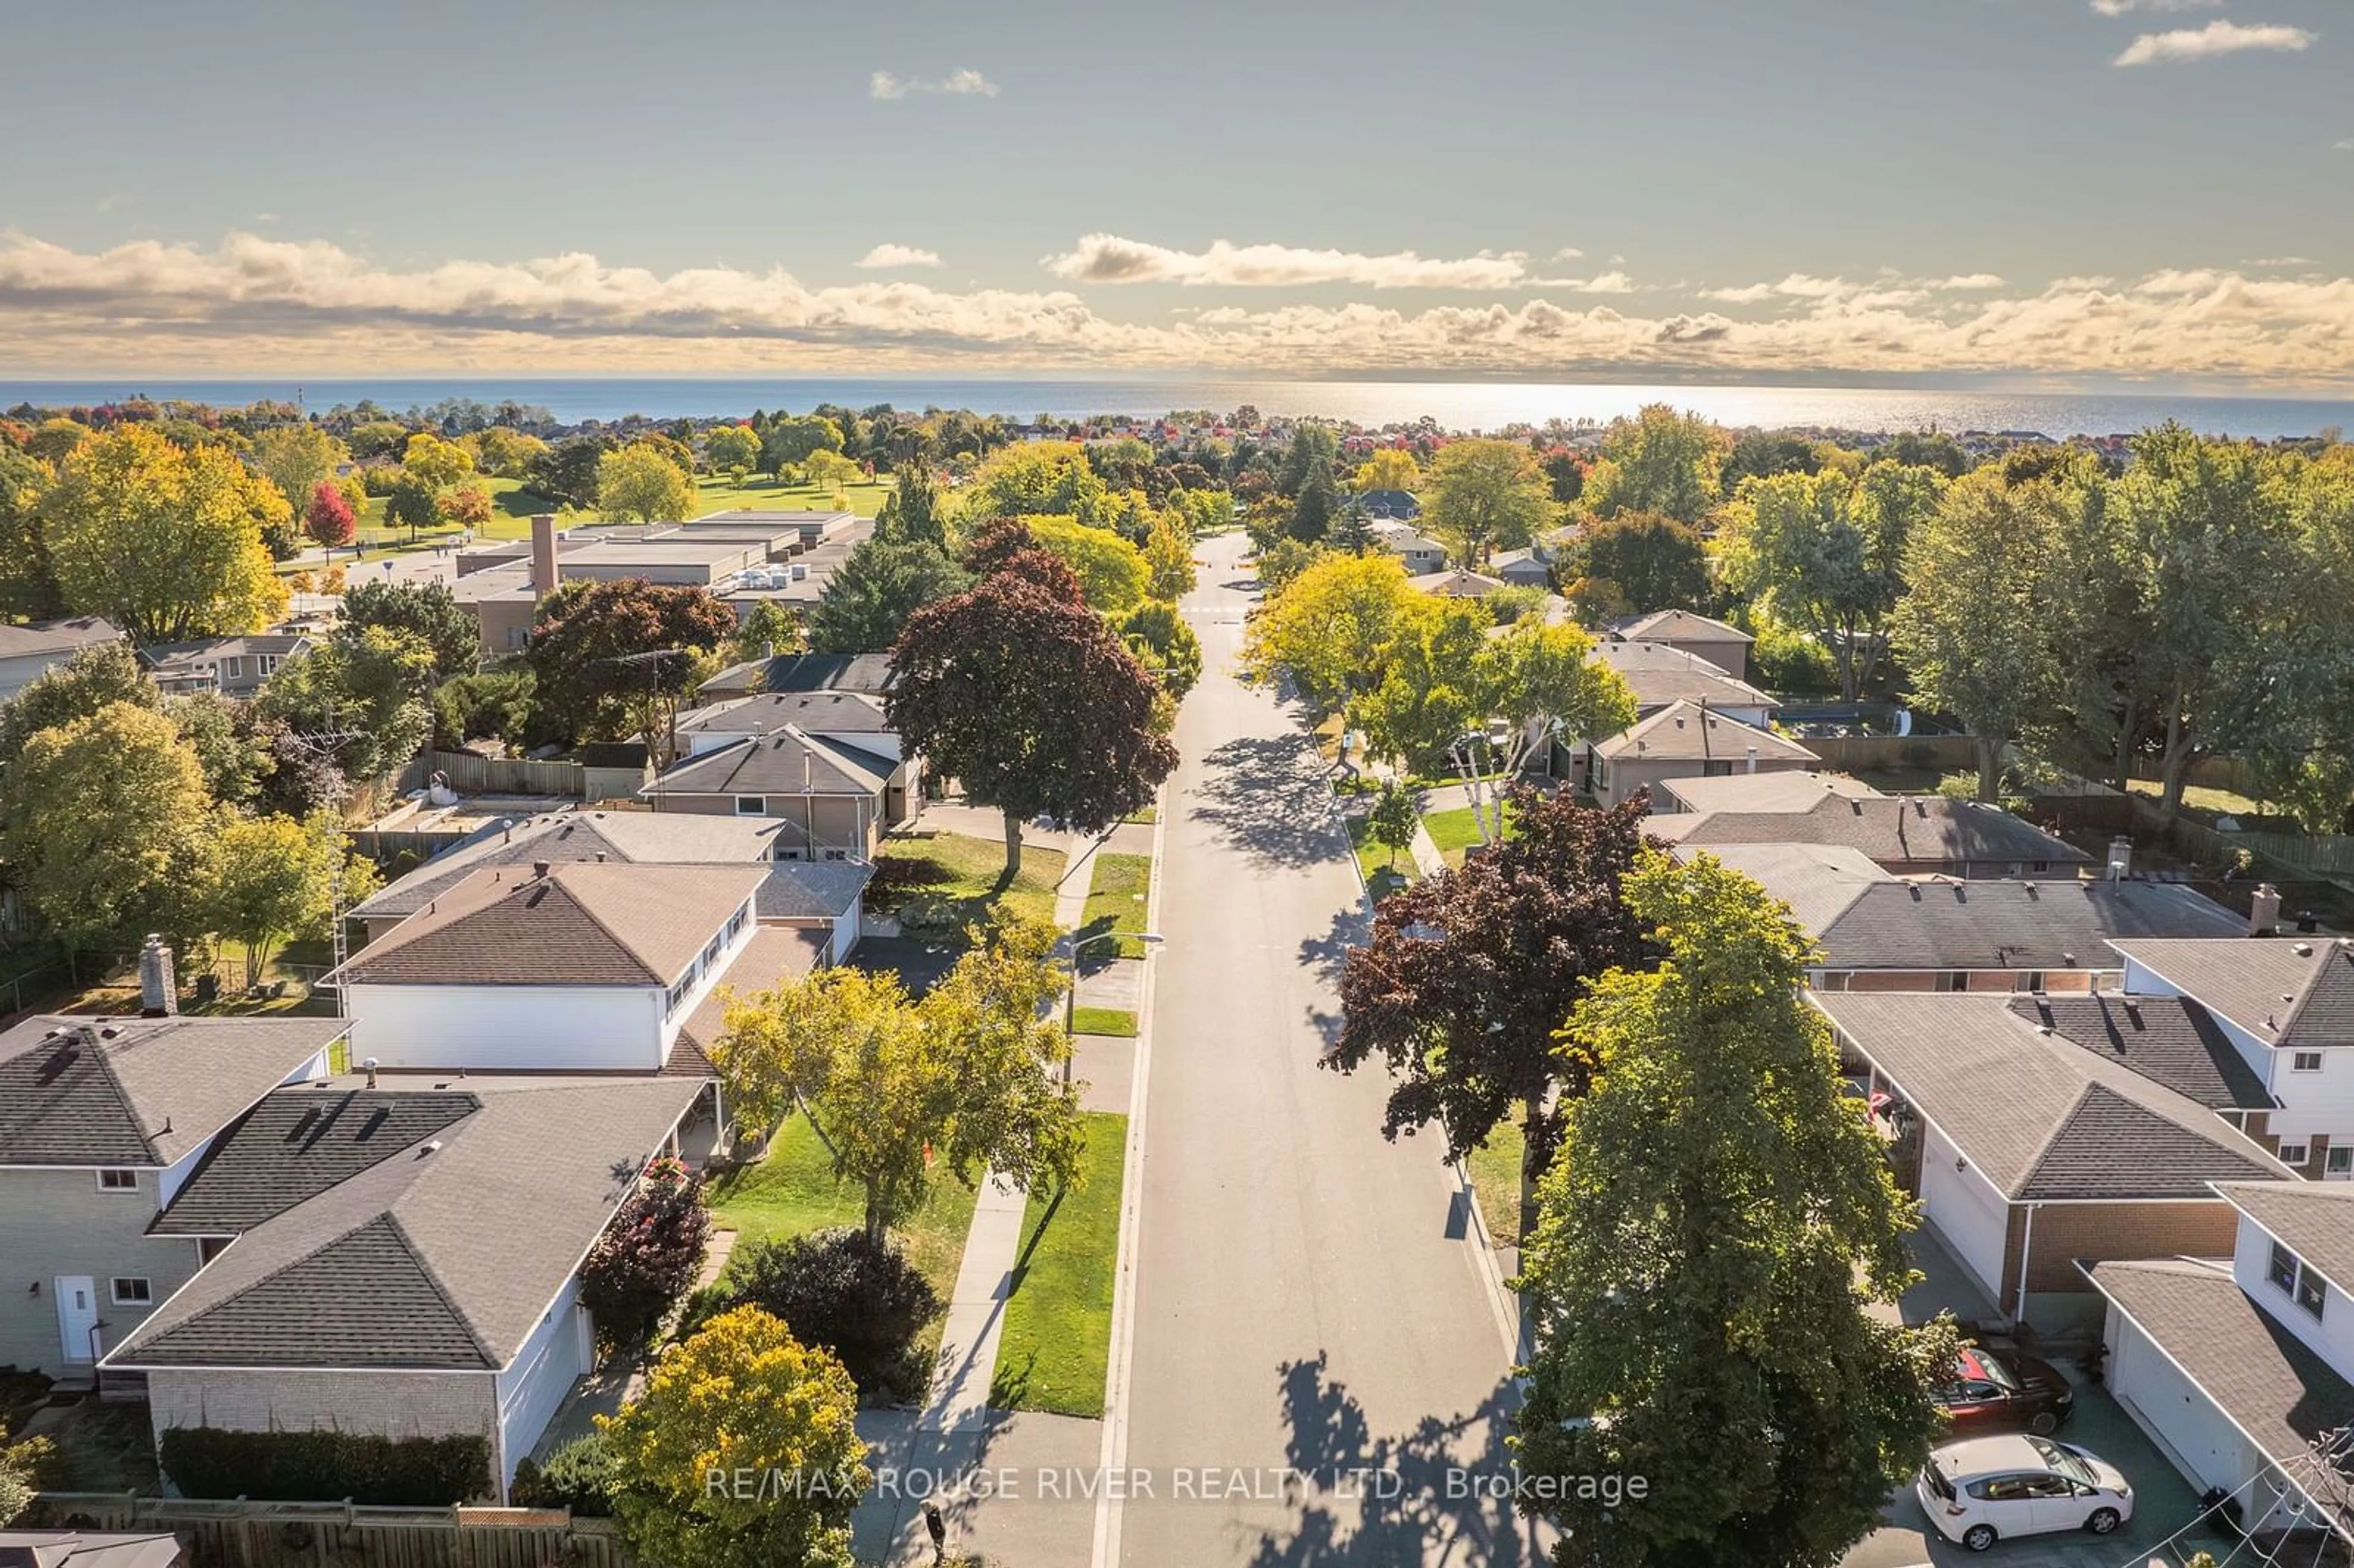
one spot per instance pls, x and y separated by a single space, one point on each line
1384 871
1117 901
793 1191
1116 1021
940 884
1055 1350
1495 1168
1453 831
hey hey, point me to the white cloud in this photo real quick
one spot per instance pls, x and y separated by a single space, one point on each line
2279 262
2218 37
256 305
2347 145
1109 258
1568 253
1967 280
898 256
2119 7
956 84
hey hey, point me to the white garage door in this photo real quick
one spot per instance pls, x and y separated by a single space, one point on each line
1969 1214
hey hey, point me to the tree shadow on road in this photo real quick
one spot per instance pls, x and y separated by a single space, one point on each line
1328 955
1268 794
1425 1516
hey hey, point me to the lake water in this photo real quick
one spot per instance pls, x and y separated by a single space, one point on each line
1456 406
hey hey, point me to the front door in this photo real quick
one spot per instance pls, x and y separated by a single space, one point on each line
78 1317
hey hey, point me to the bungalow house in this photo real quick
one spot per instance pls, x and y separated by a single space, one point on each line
1419 553
1905 835
1398 504
1685 741
1880 932
1455 584
1659 675
28 652
2287 1006
2029 1152
834 797
400 1262
867 674
102 1122
2237 1360
1777 792
1726 647
233 666
1524 568
834 718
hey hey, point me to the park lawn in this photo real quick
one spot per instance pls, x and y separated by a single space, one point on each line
1055 1348
2203 798
1116 1021
719 494
1117 901
513 506
1495 1170
967 875
1384 872
793 1191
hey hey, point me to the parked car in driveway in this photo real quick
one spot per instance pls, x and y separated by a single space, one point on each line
1995 1489
2003 1390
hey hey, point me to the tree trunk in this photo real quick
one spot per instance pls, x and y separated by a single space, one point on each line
877 1231
1012 845
2126 721
1532 1163
2173 764
1990 748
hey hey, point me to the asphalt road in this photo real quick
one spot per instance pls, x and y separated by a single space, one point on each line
1306 1297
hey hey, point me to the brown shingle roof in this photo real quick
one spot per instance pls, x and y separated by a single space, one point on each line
2289 992
1659 674
666 838
775 953
2314 1220
1674 625
1897 832
1685 732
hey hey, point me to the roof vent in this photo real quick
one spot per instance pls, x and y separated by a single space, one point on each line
2303 950
539 868
370 1066
2043 1029
430 1146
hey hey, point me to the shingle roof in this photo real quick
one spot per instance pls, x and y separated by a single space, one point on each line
2314 1220
2289 992
822 713
871 673
580 924
54 635
2042 1119
775 953
400 1264
1818 881
2264 1378
2166 1040
180 658
88 1548
1457 584
1780 790
140 1091
661 838
1940 924
295 1145
788 762
1671 625
1659 674
813 889
1685 732
1897 832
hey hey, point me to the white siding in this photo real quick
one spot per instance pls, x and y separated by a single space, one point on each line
2331 1338
2188 1428
1973 1218
536 1381
516 1027
846 932
2317 1103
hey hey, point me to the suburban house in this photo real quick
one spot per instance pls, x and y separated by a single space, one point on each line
1726 647
1658 675
1397 504
1455 584
2287 1006
1685 741
867 674
1419 553
28 652
2029 1152
1524 568
1906 835
2237 1362
1778 793
102 1122
1881 932
89 1548
835 797
399 1261
233 666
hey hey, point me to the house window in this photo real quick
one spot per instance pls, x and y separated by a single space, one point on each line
2031 980
713 949
2311 1293
2287 1271
2295 1154
751 805
130 1292
118 1180
232 669
676 997
2304 1062
2282 1268
270 664
738 921
837 854
2340 1159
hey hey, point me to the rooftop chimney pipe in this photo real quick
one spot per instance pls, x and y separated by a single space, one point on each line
159 990
2263 911
543 554
370 1066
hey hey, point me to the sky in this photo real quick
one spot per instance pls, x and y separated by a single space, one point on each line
2154 192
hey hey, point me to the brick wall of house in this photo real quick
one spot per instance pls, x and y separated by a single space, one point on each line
2107 1232
390 1405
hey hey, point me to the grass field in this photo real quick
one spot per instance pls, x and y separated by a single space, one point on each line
1453 831
793 1191
2203 798
1057 1345
512 507
1496 1183
1116 1021
1118 898
1383 873
950 881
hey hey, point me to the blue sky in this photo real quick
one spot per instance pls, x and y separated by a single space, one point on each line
1811 188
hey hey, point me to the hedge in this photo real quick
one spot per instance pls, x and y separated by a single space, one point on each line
327 1466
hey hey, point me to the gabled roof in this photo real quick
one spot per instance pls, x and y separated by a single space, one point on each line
775 955
1686 732
1658 674
1942 924
2167 1040
399 1264
1455 584
786 762
1818 881
1780 790
579 924
822 713
2043 1121
661 838
299 1143
1896 831
1678 625
54 635
2291 992
188 658
813 889
2314 1220
82 1092
871 673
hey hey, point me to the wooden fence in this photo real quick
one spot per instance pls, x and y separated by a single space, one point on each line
1849 753
243 1534
472 775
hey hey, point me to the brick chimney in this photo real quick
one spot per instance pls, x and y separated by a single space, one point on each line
2263 911
543 569
159 990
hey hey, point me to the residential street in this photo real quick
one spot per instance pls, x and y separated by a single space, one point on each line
1306 1296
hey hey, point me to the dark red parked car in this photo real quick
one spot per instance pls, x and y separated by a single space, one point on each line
2003 1390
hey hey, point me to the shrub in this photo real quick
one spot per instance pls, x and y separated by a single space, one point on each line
580 1475
326 1466
649 1255
1785 660
837 1289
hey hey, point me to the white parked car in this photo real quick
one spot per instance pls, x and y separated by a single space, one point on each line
1990 1488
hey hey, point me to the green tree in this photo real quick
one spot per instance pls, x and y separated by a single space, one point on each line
505 453
740 1398
1157 635
882 582
732 449
971 1076
1167 560
91 678
107 828
1710 1239
374 439
771 629
613 659
639 484
1315 507
1314 449
1033 479
298 458
359 700
21 1467
912 512
28 586
1390 468
54 441
1329 628
789 442
438 463
232 747
1660 462
1762 454
165 543
1644 560
1925 449
567 473
1486 494
1112 573
276 878
428 610
1394 819
412 503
